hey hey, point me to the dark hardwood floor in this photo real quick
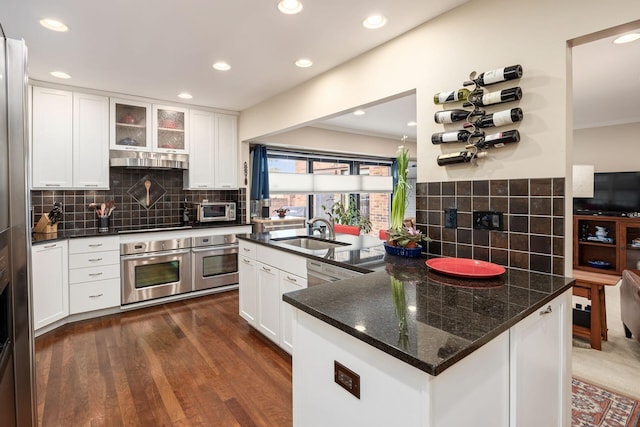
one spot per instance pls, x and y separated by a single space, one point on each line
188 363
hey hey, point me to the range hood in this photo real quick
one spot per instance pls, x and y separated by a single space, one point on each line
148 160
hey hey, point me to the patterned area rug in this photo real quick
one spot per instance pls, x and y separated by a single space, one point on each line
592 406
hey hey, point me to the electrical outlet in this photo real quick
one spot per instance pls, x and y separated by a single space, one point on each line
451 218
487 220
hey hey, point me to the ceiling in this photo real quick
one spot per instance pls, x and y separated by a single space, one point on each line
157 49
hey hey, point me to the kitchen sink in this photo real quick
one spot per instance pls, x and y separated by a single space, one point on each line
311 243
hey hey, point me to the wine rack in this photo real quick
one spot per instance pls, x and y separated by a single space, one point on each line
482 115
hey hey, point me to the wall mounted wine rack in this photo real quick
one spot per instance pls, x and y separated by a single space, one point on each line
476 140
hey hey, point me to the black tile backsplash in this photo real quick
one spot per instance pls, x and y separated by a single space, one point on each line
167 211
533 235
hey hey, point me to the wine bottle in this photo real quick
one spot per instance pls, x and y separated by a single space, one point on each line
462 135
491 98
461 157
450 116
496 76
451 96
497 140
499 118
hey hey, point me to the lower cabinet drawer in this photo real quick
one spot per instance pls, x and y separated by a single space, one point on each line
91 296
89 274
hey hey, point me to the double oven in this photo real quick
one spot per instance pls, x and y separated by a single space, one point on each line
161 268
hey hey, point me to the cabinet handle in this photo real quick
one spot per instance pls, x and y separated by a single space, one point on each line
246 249
95 274
49 246
291 279
96 296
266 269
246 261
90 185
52 185
546 311
95 259
202 185
95 245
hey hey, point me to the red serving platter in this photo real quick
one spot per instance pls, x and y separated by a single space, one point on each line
465 267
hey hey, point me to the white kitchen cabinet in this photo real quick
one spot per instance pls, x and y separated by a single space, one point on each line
248 285
50 284
130 124
268 281
52 138
170 129
226 157
90 141
266 274
213 151
540 366
94 274
288 283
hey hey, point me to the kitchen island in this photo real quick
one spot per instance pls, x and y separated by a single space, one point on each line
407 346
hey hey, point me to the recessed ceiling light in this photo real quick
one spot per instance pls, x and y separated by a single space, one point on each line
304 63
412 124
627 38
358 113
374 21
60 74
222 66
52 24
290 7
185 95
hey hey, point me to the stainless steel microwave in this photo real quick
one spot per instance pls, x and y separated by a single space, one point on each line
215 211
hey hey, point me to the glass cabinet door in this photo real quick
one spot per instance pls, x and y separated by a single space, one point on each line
170 124
632 246
130 125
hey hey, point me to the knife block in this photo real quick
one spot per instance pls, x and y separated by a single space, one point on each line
45 226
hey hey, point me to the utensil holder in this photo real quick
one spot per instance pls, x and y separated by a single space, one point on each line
103 224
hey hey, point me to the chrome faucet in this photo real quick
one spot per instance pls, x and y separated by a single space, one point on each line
332 233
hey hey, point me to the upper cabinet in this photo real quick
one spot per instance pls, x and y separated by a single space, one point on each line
170 125
52 137
90 141
69 144
213 151
130 125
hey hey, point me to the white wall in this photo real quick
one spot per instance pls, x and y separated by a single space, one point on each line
311 138
608 148
480 35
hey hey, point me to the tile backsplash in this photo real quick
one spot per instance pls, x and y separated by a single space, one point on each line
532 237
167 211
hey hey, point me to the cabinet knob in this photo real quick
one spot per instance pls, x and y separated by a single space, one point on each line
546 311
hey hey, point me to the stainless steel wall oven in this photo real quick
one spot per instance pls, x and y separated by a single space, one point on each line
215 261
155 269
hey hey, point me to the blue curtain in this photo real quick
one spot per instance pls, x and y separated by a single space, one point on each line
259 173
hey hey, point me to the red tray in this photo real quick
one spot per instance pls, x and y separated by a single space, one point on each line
465 267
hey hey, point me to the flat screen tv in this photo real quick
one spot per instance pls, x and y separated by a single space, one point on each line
614 193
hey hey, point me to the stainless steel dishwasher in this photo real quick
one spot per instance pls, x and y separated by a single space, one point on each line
319 272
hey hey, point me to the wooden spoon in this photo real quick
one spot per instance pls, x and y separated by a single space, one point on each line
147 185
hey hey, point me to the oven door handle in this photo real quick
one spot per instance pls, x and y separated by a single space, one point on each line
214 248
155 254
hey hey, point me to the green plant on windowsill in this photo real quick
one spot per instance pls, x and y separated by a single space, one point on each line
347 215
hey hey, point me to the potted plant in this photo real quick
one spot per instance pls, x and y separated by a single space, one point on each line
347 219
402 237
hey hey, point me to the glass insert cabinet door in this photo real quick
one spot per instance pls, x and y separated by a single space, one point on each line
130 125
170 129
632 246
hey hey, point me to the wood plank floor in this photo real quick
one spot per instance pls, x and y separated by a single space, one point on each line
188 363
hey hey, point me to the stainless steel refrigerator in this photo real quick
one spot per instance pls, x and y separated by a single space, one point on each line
16 336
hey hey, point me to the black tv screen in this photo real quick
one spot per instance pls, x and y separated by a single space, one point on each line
614 193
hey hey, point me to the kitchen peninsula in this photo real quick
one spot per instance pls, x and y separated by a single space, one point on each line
403 345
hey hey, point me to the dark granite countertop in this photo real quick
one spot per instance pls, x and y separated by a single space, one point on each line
114 231
445 318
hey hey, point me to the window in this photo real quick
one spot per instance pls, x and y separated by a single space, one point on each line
309 203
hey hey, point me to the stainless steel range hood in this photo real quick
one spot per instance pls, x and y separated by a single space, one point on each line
147 160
